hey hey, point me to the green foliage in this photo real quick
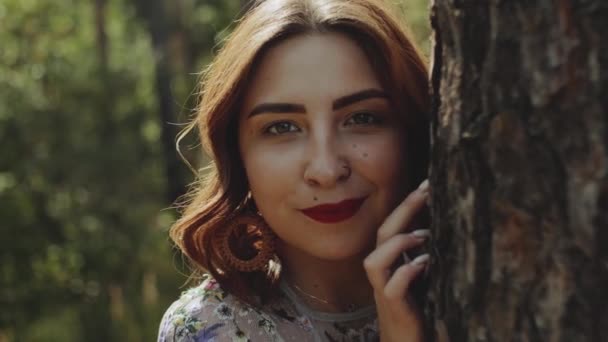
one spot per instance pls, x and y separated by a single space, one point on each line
81 174
416 16
85 254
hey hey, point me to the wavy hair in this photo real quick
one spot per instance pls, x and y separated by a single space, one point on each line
221 195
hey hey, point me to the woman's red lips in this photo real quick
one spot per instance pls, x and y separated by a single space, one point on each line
335 212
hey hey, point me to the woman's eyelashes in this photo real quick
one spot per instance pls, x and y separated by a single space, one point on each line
364 118
357 119
280 128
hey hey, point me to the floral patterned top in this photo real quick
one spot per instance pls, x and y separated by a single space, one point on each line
208 313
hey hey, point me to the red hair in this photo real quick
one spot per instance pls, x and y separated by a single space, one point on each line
215 199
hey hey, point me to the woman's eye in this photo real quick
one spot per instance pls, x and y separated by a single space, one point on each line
363 118
281 128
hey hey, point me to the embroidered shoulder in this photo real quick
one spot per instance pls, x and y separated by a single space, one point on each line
208 313
209 288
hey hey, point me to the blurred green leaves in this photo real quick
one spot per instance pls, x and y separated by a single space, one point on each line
81 174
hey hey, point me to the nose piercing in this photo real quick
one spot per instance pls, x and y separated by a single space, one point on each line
348 170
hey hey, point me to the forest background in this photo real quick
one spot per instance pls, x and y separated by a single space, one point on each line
92 96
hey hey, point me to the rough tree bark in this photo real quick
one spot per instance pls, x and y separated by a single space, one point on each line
520 170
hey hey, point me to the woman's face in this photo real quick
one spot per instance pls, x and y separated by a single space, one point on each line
322 146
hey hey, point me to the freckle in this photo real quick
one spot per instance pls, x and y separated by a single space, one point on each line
364 155
315 198
354 145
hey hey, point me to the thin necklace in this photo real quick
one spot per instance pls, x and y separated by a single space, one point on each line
350 307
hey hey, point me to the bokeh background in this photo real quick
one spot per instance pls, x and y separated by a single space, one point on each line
92 96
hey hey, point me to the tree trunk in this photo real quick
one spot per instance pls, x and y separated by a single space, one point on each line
154 15
520 170
100 30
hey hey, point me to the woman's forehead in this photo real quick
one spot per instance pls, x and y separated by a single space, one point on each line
322 66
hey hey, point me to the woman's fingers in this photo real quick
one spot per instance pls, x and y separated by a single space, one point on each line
378 263
403 214
397 286
397 318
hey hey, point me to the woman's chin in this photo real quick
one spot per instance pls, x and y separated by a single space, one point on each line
342 253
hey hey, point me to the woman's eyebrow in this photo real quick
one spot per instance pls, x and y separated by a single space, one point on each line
337 104
277 108
358 96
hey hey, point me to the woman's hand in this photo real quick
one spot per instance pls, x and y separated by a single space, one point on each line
398 317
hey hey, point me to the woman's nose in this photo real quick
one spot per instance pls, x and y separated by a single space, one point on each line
326 166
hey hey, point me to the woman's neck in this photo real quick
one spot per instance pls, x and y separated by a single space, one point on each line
327 285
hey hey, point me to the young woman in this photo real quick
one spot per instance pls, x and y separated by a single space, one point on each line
314 114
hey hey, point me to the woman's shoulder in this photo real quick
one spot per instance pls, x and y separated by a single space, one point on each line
202 313
208 313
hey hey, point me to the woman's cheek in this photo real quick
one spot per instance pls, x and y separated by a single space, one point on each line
271 167
382 150
382 161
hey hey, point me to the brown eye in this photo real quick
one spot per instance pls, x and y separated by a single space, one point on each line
363 118
281 127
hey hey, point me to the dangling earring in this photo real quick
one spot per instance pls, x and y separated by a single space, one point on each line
253 225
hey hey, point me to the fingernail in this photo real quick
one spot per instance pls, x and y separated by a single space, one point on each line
421 233
424 186
421 259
